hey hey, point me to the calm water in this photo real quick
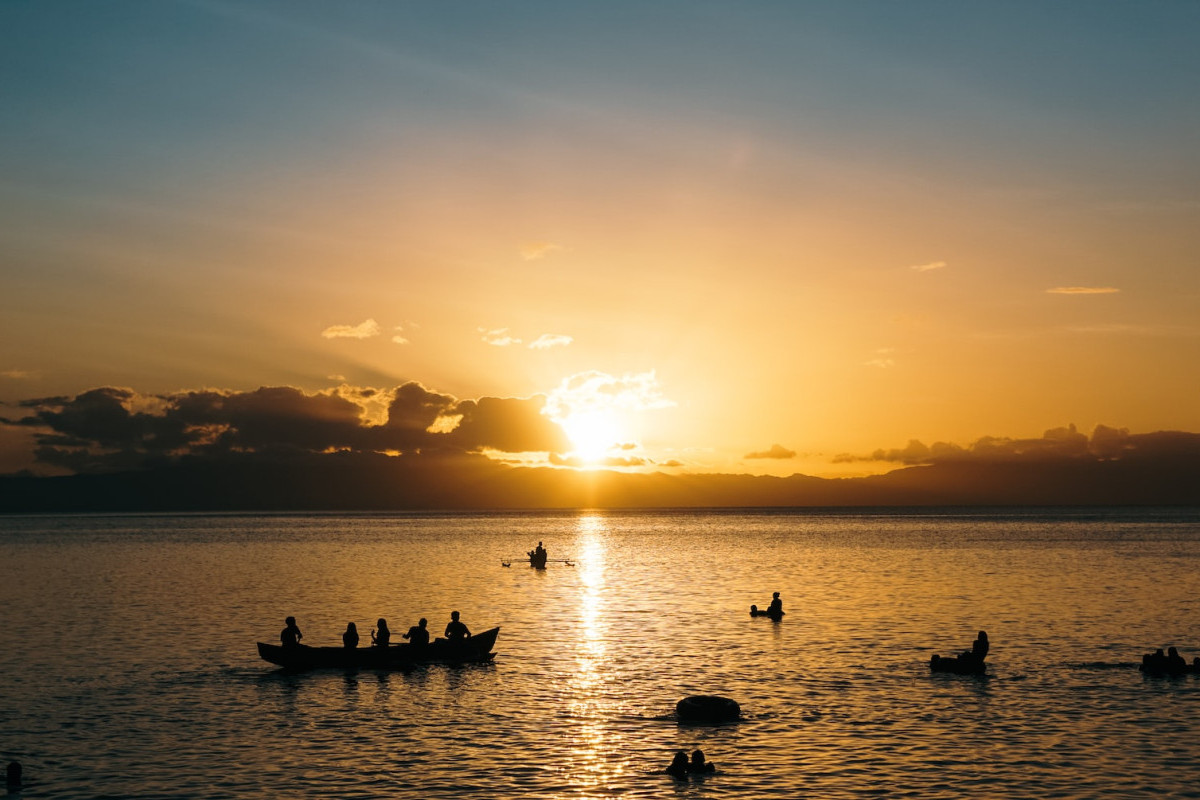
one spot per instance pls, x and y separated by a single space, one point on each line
129 668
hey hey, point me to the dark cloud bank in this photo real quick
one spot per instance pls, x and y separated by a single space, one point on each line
278 448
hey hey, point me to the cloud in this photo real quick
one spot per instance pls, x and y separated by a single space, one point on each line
16 374
598 392
881 363
364 330
548 340
498 337
111 428
775 451
932 265
537 250
1083 290
398 336
1056 444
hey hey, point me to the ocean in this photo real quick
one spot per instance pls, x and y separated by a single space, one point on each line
127 650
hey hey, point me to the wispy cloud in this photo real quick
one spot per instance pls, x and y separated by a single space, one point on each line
498 337
16 374
775 451
932 265
1083 290
364 330
398 337
548 340
535 250
883 358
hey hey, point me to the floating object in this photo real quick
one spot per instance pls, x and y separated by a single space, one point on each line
475 648
707 708
755 611
957 665
537 564
12 775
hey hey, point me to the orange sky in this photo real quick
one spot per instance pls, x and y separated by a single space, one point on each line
824 227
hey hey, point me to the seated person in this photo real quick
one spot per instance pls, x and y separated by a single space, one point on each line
381 637
699 764
979 649
776 607
456 630
679 765
350 637
418 634
291 635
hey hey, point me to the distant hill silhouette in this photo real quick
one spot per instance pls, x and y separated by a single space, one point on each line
349 482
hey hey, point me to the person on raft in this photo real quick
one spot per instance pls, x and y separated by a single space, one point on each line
381 637
418 634
350 637
699 764
776 607
678 768
978 651
456 630
291 635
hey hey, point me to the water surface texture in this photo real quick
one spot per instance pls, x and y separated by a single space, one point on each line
127 650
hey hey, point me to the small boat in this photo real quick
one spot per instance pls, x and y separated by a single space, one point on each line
755 611
473 649
957 665
536 563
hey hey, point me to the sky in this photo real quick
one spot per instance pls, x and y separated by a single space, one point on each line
692 237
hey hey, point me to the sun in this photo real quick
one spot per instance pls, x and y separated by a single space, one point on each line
592 433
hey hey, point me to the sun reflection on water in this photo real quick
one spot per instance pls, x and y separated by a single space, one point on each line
596 740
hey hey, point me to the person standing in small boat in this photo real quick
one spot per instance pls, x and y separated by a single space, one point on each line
418 634
381 636
455 629
291 635
350 637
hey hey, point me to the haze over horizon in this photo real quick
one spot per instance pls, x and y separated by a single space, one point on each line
688 238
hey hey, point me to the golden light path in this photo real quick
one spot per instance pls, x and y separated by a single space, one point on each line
595 742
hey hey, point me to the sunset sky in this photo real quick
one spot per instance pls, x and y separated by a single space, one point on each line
763 237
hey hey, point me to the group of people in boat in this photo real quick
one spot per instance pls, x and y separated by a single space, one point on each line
381 635
968 661
1168 663
680 767
538 555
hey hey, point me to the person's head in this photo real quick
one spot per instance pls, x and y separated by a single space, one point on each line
290 620
1172 652
382 623
775 596
983 635
1159 653
539 544
421 623
454 616
680 758
350 626
697 756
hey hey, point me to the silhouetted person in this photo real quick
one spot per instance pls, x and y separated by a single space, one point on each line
291 635
381 636
456 630
979 648
699 764
12 775
775 610
1175 662
350 637
418 634
679 765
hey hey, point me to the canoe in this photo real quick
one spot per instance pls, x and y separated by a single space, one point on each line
440 651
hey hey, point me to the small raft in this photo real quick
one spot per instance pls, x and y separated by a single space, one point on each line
957 665
707 708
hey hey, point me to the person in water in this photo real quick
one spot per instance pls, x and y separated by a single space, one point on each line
979 649
678 767
455 629
699 764
350 637
291 635
418 634
381 636
776 607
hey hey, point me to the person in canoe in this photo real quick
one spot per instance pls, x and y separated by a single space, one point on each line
418 634
456 630
350 637
291 635
381 636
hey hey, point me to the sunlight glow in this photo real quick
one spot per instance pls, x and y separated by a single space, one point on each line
592 433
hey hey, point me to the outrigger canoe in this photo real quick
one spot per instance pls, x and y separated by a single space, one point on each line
440 651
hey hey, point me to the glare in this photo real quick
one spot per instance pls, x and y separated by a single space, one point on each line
592 433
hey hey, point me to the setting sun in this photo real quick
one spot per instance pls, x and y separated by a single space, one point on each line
592 433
